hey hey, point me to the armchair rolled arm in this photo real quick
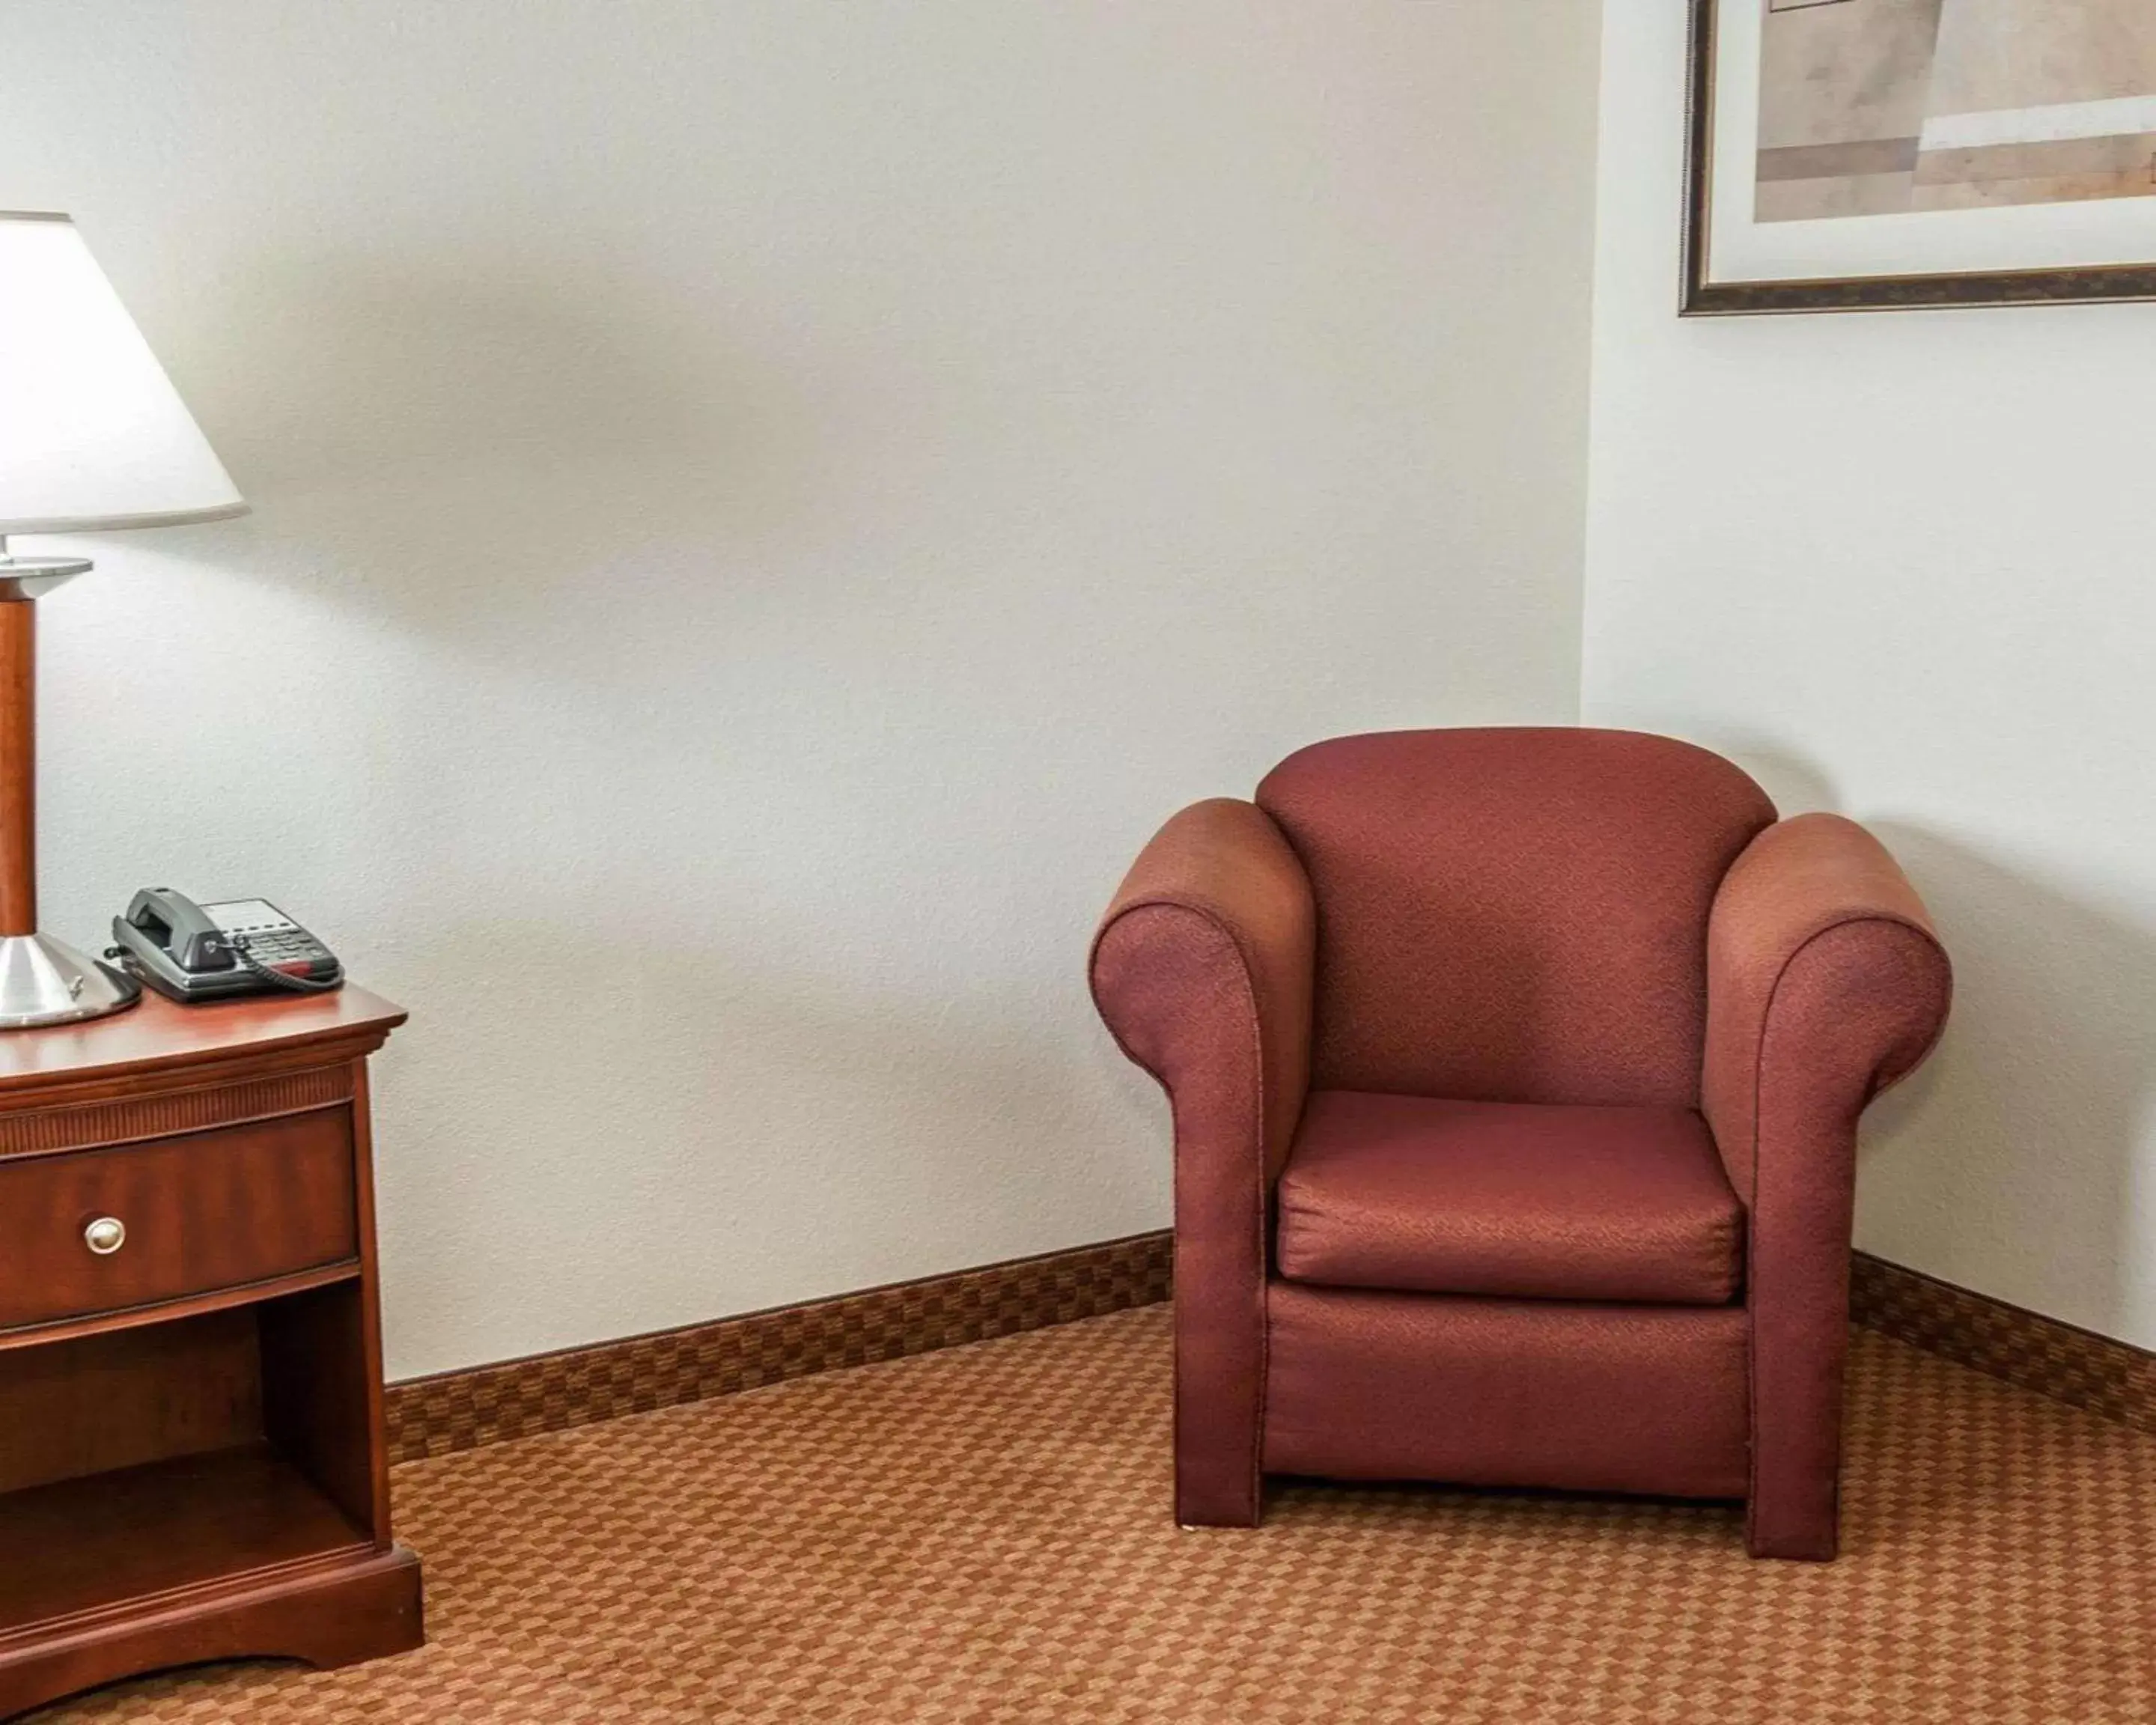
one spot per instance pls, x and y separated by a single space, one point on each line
1204 956
1826 983
1202 971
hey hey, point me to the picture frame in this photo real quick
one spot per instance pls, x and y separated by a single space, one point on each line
1775 222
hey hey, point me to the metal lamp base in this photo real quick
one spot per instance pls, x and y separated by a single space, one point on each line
43 981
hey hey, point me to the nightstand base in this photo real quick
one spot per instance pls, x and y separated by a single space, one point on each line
327 1612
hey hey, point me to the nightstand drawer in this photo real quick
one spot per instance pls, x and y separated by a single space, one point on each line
99 1230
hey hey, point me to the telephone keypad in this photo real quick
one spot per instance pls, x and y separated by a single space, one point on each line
271 948
277 943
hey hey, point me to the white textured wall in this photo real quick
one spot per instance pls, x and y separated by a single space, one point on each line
1904 565
760 506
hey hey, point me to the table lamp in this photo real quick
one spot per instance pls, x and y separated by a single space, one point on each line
93 436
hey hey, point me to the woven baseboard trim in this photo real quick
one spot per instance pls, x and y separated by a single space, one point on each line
2076 1366
552 1392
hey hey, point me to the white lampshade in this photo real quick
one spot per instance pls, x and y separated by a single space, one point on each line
92 434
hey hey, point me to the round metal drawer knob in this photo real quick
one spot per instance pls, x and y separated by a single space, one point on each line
105 1236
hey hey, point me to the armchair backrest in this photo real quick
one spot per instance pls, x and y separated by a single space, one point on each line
1513 915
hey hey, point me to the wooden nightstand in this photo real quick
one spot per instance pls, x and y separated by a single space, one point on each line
191 1455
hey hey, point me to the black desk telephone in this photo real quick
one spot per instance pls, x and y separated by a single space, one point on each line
247 946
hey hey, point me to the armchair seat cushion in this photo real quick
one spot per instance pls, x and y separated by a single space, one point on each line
1555 1202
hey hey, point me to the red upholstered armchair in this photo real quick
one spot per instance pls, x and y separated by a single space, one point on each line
1516 1075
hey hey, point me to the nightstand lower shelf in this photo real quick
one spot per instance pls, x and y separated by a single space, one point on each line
82 1545
183 1484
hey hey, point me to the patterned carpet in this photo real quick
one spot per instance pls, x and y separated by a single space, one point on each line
982 1535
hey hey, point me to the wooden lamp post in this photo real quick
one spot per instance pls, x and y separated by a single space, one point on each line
93 436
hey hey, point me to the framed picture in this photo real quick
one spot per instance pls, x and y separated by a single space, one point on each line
1848 155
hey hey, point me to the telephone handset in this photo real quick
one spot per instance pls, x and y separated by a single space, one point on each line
192 952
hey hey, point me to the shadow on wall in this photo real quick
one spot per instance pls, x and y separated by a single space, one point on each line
2008 1164
2015 1164
494 429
